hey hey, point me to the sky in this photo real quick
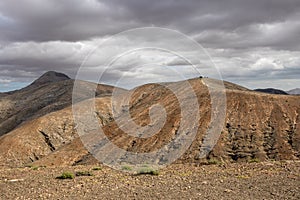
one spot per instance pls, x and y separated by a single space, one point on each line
252 43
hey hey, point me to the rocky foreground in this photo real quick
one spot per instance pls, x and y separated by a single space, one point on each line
264 180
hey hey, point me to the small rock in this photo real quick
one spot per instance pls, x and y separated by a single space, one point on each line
15 180
228 190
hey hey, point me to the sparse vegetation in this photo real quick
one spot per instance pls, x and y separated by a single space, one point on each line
97 168
84 173
127 168
219 181
254 160
147 170
66 175
243 177
213 161
35 167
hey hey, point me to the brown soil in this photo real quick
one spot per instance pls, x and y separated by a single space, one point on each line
265 180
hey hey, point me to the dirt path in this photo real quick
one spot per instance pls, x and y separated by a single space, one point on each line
268 180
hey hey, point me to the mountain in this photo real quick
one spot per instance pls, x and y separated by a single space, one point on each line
49 77
257 126
272 91
51 92
294 91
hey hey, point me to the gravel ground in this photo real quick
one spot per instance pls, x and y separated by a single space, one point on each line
265 180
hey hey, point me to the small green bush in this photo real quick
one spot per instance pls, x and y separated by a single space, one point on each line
66 175
243 177
148 171
37 167
254 160
97 168
84 173
214 162
127 168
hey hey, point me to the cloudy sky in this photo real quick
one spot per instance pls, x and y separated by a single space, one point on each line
253 43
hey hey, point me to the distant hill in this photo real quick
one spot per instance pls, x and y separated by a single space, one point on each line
271 91
294 91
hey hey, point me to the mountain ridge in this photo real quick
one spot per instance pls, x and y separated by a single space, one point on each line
271 91
257 126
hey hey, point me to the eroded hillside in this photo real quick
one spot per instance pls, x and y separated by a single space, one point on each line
257 126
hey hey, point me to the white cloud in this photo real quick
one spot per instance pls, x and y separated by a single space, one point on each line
5 81
267 64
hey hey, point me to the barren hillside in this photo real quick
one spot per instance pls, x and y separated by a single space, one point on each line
257 126
51 92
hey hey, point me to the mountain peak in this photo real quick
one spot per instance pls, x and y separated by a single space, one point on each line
50 77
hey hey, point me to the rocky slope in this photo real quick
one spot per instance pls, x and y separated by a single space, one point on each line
257 126
51 92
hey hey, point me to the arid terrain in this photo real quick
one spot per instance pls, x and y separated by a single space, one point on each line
256 156
264 180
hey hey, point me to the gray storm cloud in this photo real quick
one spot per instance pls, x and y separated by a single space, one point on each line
254 43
